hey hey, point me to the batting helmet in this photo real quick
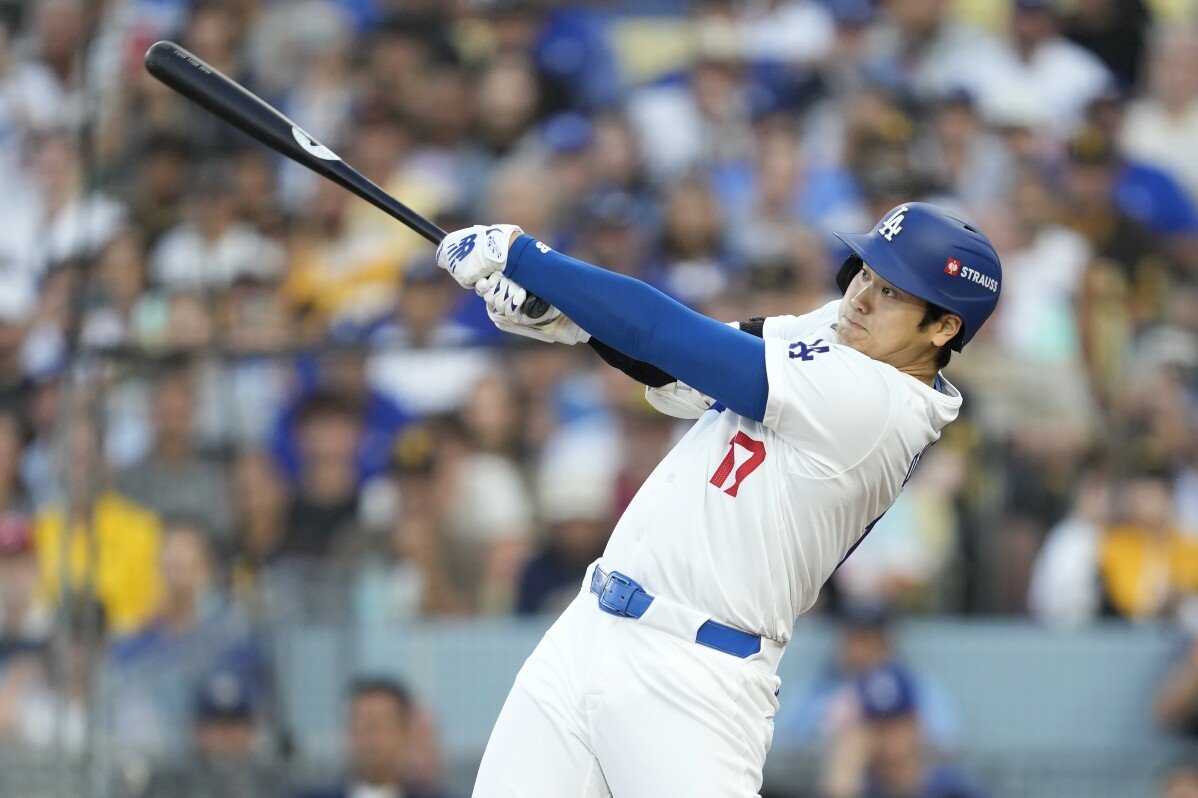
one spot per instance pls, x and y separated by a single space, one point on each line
934 255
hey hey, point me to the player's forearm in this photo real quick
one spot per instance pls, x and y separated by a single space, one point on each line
649 374
645 324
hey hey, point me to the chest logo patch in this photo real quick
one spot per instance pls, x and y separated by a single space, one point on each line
800 350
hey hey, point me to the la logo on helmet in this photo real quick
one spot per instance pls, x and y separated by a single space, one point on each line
893 225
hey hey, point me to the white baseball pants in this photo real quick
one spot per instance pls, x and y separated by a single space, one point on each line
610 706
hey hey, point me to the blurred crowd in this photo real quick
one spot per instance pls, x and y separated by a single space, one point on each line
231 393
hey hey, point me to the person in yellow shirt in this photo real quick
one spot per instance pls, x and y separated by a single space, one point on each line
1146 563
112 556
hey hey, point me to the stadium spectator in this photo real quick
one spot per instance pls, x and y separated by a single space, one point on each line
194 631
118 284
391 750
227 757
1065 589
609 232
110 543
425 362
1114 30
54 219
1147 566
47 700
1144 191
343 263
683 126
823 707
906 561
885 755
213 246
322 513
259 503
412 578
920 49
576 492
1130 268
340 371
1048 69
1162 124
173 479
691 263
963 158
159 190
486 542
25 619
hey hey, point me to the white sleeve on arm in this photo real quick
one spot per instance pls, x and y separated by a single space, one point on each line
794 326
827 400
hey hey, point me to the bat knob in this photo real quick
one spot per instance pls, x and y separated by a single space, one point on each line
534 307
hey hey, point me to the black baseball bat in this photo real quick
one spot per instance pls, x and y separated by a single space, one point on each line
221 95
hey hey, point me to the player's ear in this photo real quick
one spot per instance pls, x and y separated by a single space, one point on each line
946 329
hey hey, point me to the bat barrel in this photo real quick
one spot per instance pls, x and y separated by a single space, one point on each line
224 97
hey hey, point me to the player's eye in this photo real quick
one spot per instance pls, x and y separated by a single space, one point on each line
888 291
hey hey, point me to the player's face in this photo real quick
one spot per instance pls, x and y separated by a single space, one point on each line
879 320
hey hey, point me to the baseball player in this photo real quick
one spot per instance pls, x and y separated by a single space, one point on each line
660 678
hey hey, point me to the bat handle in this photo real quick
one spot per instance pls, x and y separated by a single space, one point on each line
533 307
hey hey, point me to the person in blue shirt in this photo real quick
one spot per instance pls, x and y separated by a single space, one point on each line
886 755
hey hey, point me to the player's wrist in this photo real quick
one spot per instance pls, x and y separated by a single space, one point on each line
516 249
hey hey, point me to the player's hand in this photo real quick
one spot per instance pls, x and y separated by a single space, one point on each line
475 252
504 300
679 400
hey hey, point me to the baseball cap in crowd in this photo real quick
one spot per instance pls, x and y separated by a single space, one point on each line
16 534
886 692
567 133
225 695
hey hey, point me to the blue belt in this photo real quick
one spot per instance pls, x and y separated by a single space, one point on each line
621 596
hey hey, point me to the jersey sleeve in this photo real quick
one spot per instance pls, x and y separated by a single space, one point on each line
829 401
795 326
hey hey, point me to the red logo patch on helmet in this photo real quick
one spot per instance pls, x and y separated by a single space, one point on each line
953 267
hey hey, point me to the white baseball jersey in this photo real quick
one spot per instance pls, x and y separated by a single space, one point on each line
745 521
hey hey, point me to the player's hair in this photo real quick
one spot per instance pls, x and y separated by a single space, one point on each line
931 315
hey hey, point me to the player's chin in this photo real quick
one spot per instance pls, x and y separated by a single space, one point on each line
849 335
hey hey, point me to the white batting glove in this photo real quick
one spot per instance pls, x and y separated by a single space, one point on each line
504 299
475 252
678 399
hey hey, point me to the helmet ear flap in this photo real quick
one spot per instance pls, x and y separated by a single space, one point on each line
848 270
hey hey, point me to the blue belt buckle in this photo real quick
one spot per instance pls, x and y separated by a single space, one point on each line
615 594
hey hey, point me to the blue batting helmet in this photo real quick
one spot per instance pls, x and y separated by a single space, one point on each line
931 254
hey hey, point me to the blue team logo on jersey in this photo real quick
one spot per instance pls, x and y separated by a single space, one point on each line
807 351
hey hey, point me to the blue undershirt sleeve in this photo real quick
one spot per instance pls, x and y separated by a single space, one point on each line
643 323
